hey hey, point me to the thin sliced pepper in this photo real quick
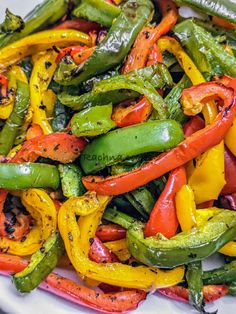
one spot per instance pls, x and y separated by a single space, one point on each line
99 253
185 208
211 293
40 79
113 303
189 149
111 273
110 232
193 125
38 42
120 249
10 130
229 249
73 51
149 35
222 22
163 217
42 209
80 25
155 55
57 146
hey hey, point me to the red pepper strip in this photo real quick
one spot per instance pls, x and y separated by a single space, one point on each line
138 56
61 147
154 56
99 253
230 173
110 232
211 293
34 131
80 25
186 151
193 125
80 57
125 116
207 204
70 51
163 218
223 23
3 85
104 302
229 201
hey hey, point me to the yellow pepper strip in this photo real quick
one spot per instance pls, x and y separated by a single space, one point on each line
208 178
202 215
41 77
230 138
229 249
43 211
14 74
32 44
185 208
120 248
117 274
49 101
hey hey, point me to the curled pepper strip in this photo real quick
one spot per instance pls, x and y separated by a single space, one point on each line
43 211
113 303
189 149
110 273
149 35
41 41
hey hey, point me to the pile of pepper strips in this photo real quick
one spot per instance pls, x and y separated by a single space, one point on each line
117 150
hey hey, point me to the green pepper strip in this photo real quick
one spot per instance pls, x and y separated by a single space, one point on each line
111 52
195 286
222 275
98 11
28 175
16 119
209 56
41 264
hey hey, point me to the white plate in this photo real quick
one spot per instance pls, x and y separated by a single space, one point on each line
39 302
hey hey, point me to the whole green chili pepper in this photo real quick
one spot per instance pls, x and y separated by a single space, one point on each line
93 121
157 75
111 52
185 247
209 56
11 128
71 180
222 8
223 275
28 175
98 11
46 13
151 136
42 263
195 285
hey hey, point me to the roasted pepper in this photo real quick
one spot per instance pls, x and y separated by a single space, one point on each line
130 141
99 11
42 209
111 232
226 274
163 217
48 12
149 35
41 264
222 8
103 302
143 81
62 147
208 237
134 15
93 121
71 180
111 273
39 42
28 175
189 149
10 130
